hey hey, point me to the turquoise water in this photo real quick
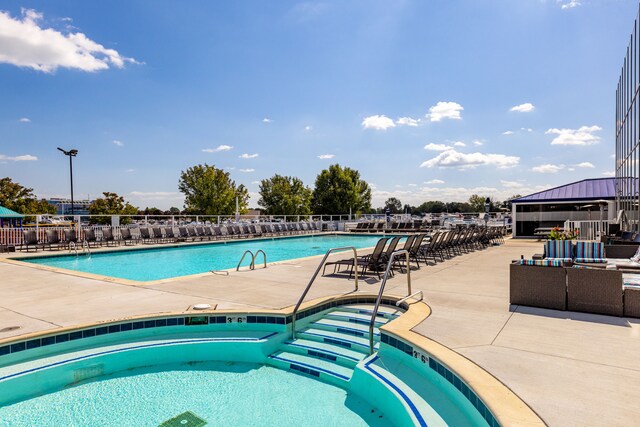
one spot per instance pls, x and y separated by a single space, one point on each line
163 263
221 393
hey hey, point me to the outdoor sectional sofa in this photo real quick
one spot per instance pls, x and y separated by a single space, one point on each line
574 283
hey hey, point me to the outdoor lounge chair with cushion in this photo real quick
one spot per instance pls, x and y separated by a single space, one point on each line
169 235
193 234
70 236
157 235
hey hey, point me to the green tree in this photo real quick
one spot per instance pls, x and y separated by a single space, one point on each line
21 199
210 191
284 195
477 203
431 207
111 204
172 211
339 190
394 205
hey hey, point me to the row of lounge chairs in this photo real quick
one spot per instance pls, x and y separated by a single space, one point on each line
421 248
376 227
129 236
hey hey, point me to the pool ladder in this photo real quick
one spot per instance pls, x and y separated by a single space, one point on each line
73 248
252 266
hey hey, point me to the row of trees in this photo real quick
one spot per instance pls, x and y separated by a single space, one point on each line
211 191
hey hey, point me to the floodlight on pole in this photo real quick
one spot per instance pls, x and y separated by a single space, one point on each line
71 153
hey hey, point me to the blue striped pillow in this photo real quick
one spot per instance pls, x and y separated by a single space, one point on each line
589 250
558 249
558 262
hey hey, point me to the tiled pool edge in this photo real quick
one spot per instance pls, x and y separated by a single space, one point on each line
501 406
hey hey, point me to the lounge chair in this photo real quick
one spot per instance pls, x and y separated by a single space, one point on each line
30 238
145 235
208 233
126 236
254 231
414 251
168 234
157 235
53 239
108 237
400 261
193 234
217 232
70 236
90 237
201 234
375 261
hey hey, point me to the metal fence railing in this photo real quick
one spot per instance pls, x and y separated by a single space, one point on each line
588 230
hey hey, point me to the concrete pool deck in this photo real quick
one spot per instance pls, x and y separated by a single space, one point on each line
573 369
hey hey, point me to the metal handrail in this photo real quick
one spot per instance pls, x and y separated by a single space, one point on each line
384 281
85 247
253 261
409 297
242 259
306 290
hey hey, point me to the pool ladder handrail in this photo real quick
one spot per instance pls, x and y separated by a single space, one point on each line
85 248
306 290
73 248
252 266
382 284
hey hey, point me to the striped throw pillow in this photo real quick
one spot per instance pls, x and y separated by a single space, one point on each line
558 249
589 250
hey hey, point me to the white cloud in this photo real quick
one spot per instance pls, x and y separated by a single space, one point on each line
118 143
25 120
255 182
407 121
413 185
326 156
511 184
571 169
527 107
609 173
459 144
585 165
570 5
508 132
246 170
217 149
527 129
437 147
547 168
267 120
308 128
478 143
445 110
434 181
378 122
23 158
24 43
131 170
248 156
453 158
582 136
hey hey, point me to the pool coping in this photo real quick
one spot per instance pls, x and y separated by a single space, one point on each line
504 404
130 282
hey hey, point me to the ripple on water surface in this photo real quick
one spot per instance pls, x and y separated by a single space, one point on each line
222 393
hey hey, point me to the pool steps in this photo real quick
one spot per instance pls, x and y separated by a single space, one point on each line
331 346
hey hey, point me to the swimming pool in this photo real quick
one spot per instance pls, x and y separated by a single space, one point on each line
221 368
166 262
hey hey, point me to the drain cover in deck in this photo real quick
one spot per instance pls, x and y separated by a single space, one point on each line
186 419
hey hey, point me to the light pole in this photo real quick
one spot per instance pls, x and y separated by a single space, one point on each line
71 153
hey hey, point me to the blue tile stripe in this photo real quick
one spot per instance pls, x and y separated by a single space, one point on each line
333 339
305 365
321 350
135 347
402 394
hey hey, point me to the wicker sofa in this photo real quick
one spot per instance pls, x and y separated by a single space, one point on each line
538 286
595 291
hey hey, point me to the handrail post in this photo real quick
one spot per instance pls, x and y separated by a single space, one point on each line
313 278
253 260
384 282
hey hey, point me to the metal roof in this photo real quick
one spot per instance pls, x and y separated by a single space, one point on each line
8 213
587 189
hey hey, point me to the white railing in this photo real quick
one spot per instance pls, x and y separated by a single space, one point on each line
588 230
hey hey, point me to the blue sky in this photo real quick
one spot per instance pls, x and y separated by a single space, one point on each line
429 100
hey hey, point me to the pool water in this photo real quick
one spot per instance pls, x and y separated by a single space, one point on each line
163 263
221 393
